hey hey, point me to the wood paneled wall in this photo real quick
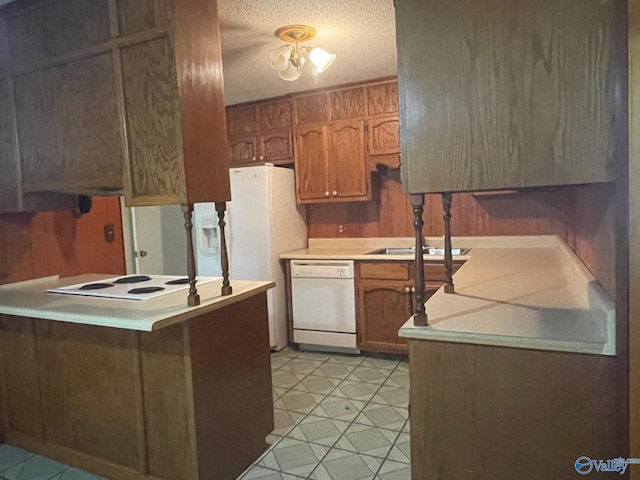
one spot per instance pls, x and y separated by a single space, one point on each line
61 243
582 215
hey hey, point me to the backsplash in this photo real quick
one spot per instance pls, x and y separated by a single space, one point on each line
61 243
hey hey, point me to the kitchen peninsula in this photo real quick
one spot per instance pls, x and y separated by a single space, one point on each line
137 389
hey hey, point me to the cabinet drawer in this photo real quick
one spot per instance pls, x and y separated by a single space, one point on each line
435 272
385 271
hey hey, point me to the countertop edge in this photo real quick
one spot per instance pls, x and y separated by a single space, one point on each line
162 317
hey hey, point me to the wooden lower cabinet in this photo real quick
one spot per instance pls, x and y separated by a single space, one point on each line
191 401
386 300
383 307
482 412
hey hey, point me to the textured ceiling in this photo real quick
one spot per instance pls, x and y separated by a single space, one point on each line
360 32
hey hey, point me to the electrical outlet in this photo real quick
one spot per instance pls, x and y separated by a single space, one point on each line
109 233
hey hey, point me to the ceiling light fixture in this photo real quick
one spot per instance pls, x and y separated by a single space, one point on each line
289 59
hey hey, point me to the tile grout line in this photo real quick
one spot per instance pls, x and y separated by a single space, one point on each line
352 422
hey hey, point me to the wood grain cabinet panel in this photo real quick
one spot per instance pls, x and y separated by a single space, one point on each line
56 28
67 119
348 103
312 174
90 419
244 149
383 98
383 137
347 163
311 108
493 93
156 158
384 306
274 115
140 15
494 403
9 191
242 121
21 397
276 146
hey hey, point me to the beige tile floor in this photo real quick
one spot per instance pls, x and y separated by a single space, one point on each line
337 417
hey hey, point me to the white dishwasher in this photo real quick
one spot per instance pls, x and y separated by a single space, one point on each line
324 304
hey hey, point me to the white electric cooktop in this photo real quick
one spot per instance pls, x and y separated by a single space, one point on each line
132 287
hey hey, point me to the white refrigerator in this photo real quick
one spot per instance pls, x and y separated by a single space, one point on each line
263 221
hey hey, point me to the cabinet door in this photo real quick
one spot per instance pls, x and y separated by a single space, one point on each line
348 103
382 136
383 98
244 149
242 120
276 146
384 306
274 116
347 163
311 164
312 108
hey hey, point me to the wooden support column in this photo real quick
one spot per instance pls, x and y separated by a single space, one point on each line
420 314
221 207
448 257
193 299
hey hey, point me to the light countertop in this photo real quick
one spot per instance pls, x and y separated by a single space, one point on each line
514 291
30 299
539 297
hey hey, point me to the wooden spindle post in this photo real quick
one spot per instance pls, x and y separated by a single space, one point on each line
221 207
448 257
420 314
193 299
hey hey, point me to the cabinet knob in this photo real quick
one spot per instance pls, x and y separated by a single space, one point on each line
261 157
253 158
335 193
407 289
326 194
413 289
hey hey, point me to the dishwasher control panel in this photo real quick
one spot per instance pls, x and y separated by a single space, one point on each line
322 268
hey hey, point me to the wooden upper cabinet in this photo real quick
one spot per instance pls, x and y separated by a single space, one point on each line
383 98
276 146
497 94
312 175
275 115
261 132
242 121
349 176
107 97
348 103
244 149
312 108
383 137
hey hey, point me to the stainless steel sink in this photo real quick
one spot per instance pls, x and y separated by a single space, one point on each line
393 251
411 251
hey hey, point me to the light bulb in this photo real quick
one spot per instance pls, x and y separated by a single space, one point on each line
321 59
